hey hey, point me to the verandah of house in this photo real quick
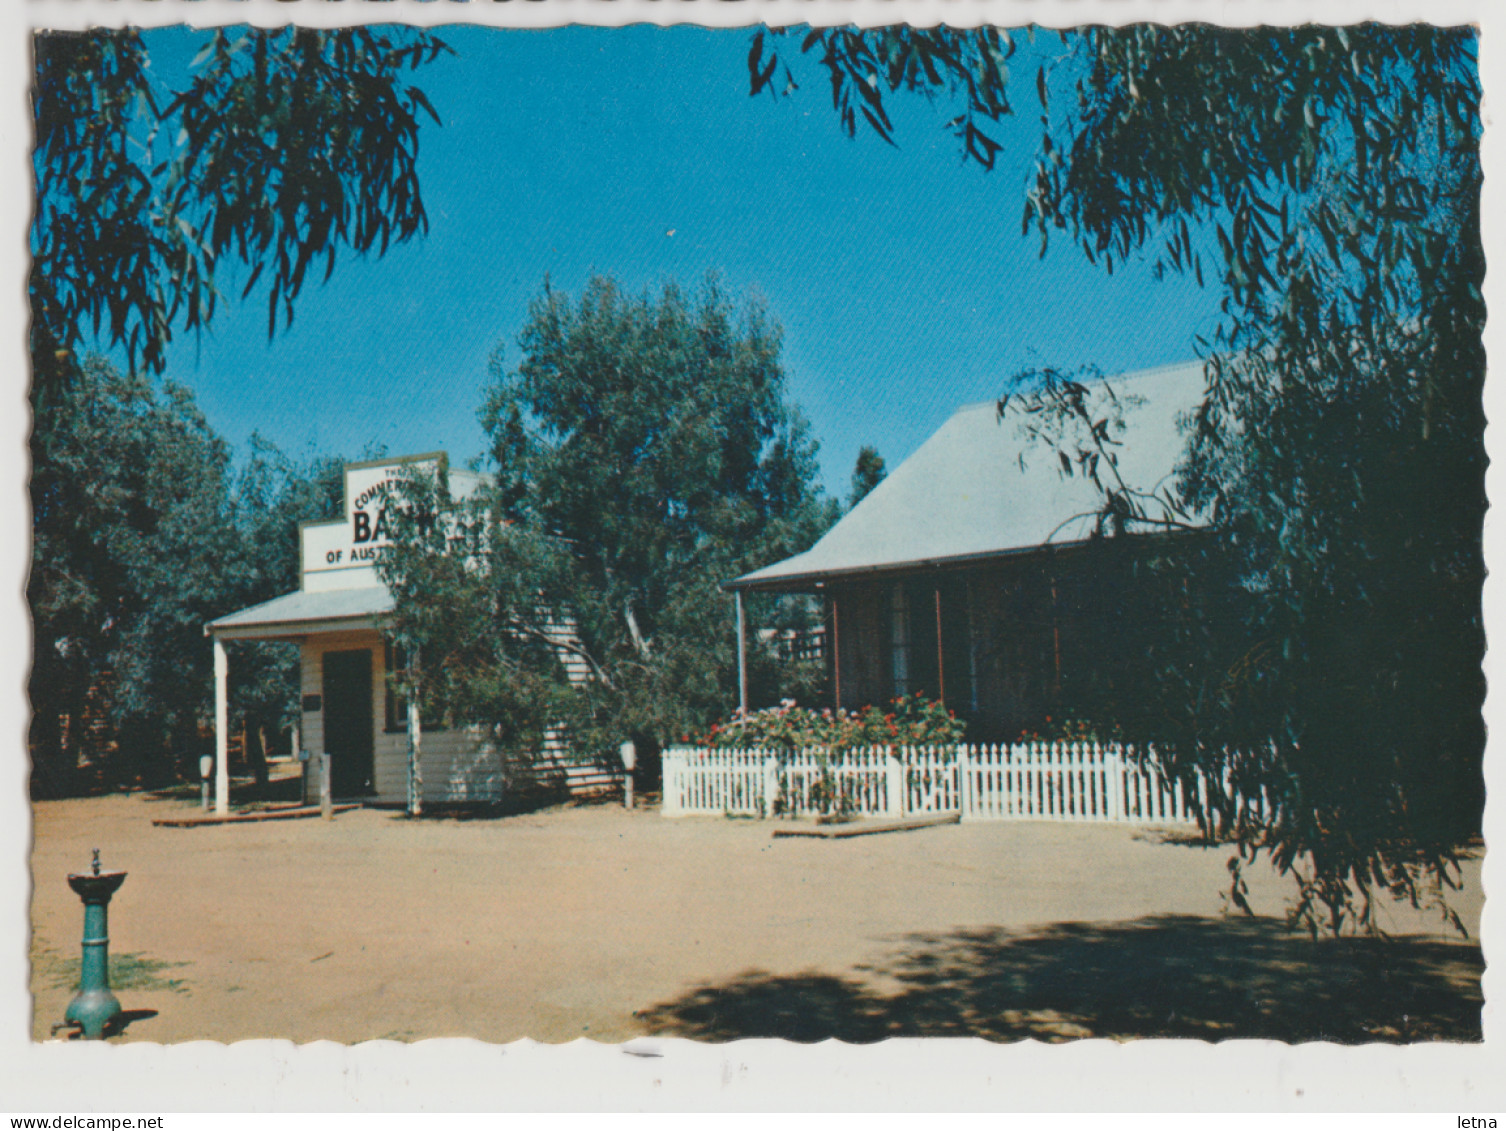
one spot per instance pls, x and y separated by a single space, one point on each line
971 574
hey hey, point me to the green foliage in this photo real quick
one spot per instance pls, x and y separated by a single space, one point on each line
280 148
864 63
1339 453
1326 634
139 541
657 448
129 528
867 473
273 495
472 615
643 454
912 721
276 150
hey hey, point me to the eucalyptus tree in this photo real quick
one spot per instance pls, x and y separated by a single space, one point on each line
272 153
867 473
121 591
165 539
1327 181
642 452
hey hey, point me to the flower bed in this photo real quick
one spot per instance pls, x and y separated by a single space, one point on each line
910 721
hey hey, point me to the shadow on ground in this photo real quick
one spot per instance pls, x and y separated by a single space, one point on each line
527 802
1164 976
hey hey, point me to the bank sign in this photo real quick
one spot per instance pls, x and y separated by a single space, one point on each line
342 554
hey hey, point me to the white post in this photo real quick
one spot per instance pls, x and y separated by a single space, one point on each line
669 804
221 729
628 752
742 654
1104 754
894 785
965 790
296 747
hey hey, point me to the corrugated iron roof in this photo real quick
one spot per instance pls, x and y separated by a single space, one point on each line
982 487
305 607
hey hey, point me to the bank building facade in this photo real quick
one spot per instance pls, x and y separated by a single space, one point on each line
348 708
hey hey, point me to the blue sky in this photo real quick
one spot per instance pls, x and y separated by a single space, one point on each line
899 273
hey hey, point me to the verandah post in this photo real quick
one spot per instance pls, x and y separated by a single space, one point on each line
415 762
742 654
221 729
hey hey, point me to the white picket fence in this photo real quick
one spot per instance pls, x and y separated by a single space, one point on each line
1037 781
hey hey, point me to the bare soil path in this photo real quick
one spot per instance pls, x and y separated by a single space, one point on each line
602 923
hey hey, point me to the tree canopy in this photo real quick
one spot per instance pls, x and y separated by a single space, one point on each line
1327 180
867 473
142 536
275 151
642 452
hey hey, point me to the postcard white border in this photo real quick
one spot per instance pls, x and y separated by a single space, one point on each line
748 1075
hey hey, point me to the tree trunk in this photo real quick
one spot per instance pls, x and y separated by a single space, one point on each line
415 742
258 759
50 776
639 643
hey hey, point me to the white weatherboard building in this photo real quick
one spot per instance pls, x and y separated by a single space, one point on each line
349 710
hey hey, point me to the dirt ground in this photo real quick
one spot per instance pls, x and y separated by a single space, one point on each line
597 922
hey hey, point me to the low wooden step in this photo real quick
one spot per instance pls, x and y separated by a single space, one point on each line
867 827
243 818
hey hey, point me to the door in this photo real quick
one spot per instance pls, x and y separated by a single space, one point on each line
348 728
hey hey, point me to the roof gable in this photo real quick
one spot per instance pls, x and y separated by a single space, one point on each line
984 486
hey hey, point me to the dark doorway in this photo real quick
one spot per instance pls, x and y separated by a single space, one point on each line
347 721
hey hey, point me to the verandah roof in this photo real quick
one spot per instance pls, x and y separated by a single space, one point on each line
303 612
981 487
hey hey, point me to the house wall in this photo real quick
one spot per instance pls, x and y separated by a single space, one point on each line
1037 636
1008 634
1015 632
862 643
456 765
873 629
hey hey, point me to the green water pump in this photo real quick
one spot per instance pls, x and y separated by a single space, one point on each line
94 1007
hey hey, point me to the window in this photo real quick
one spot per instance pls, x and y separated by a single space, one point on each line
899 641
397 702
